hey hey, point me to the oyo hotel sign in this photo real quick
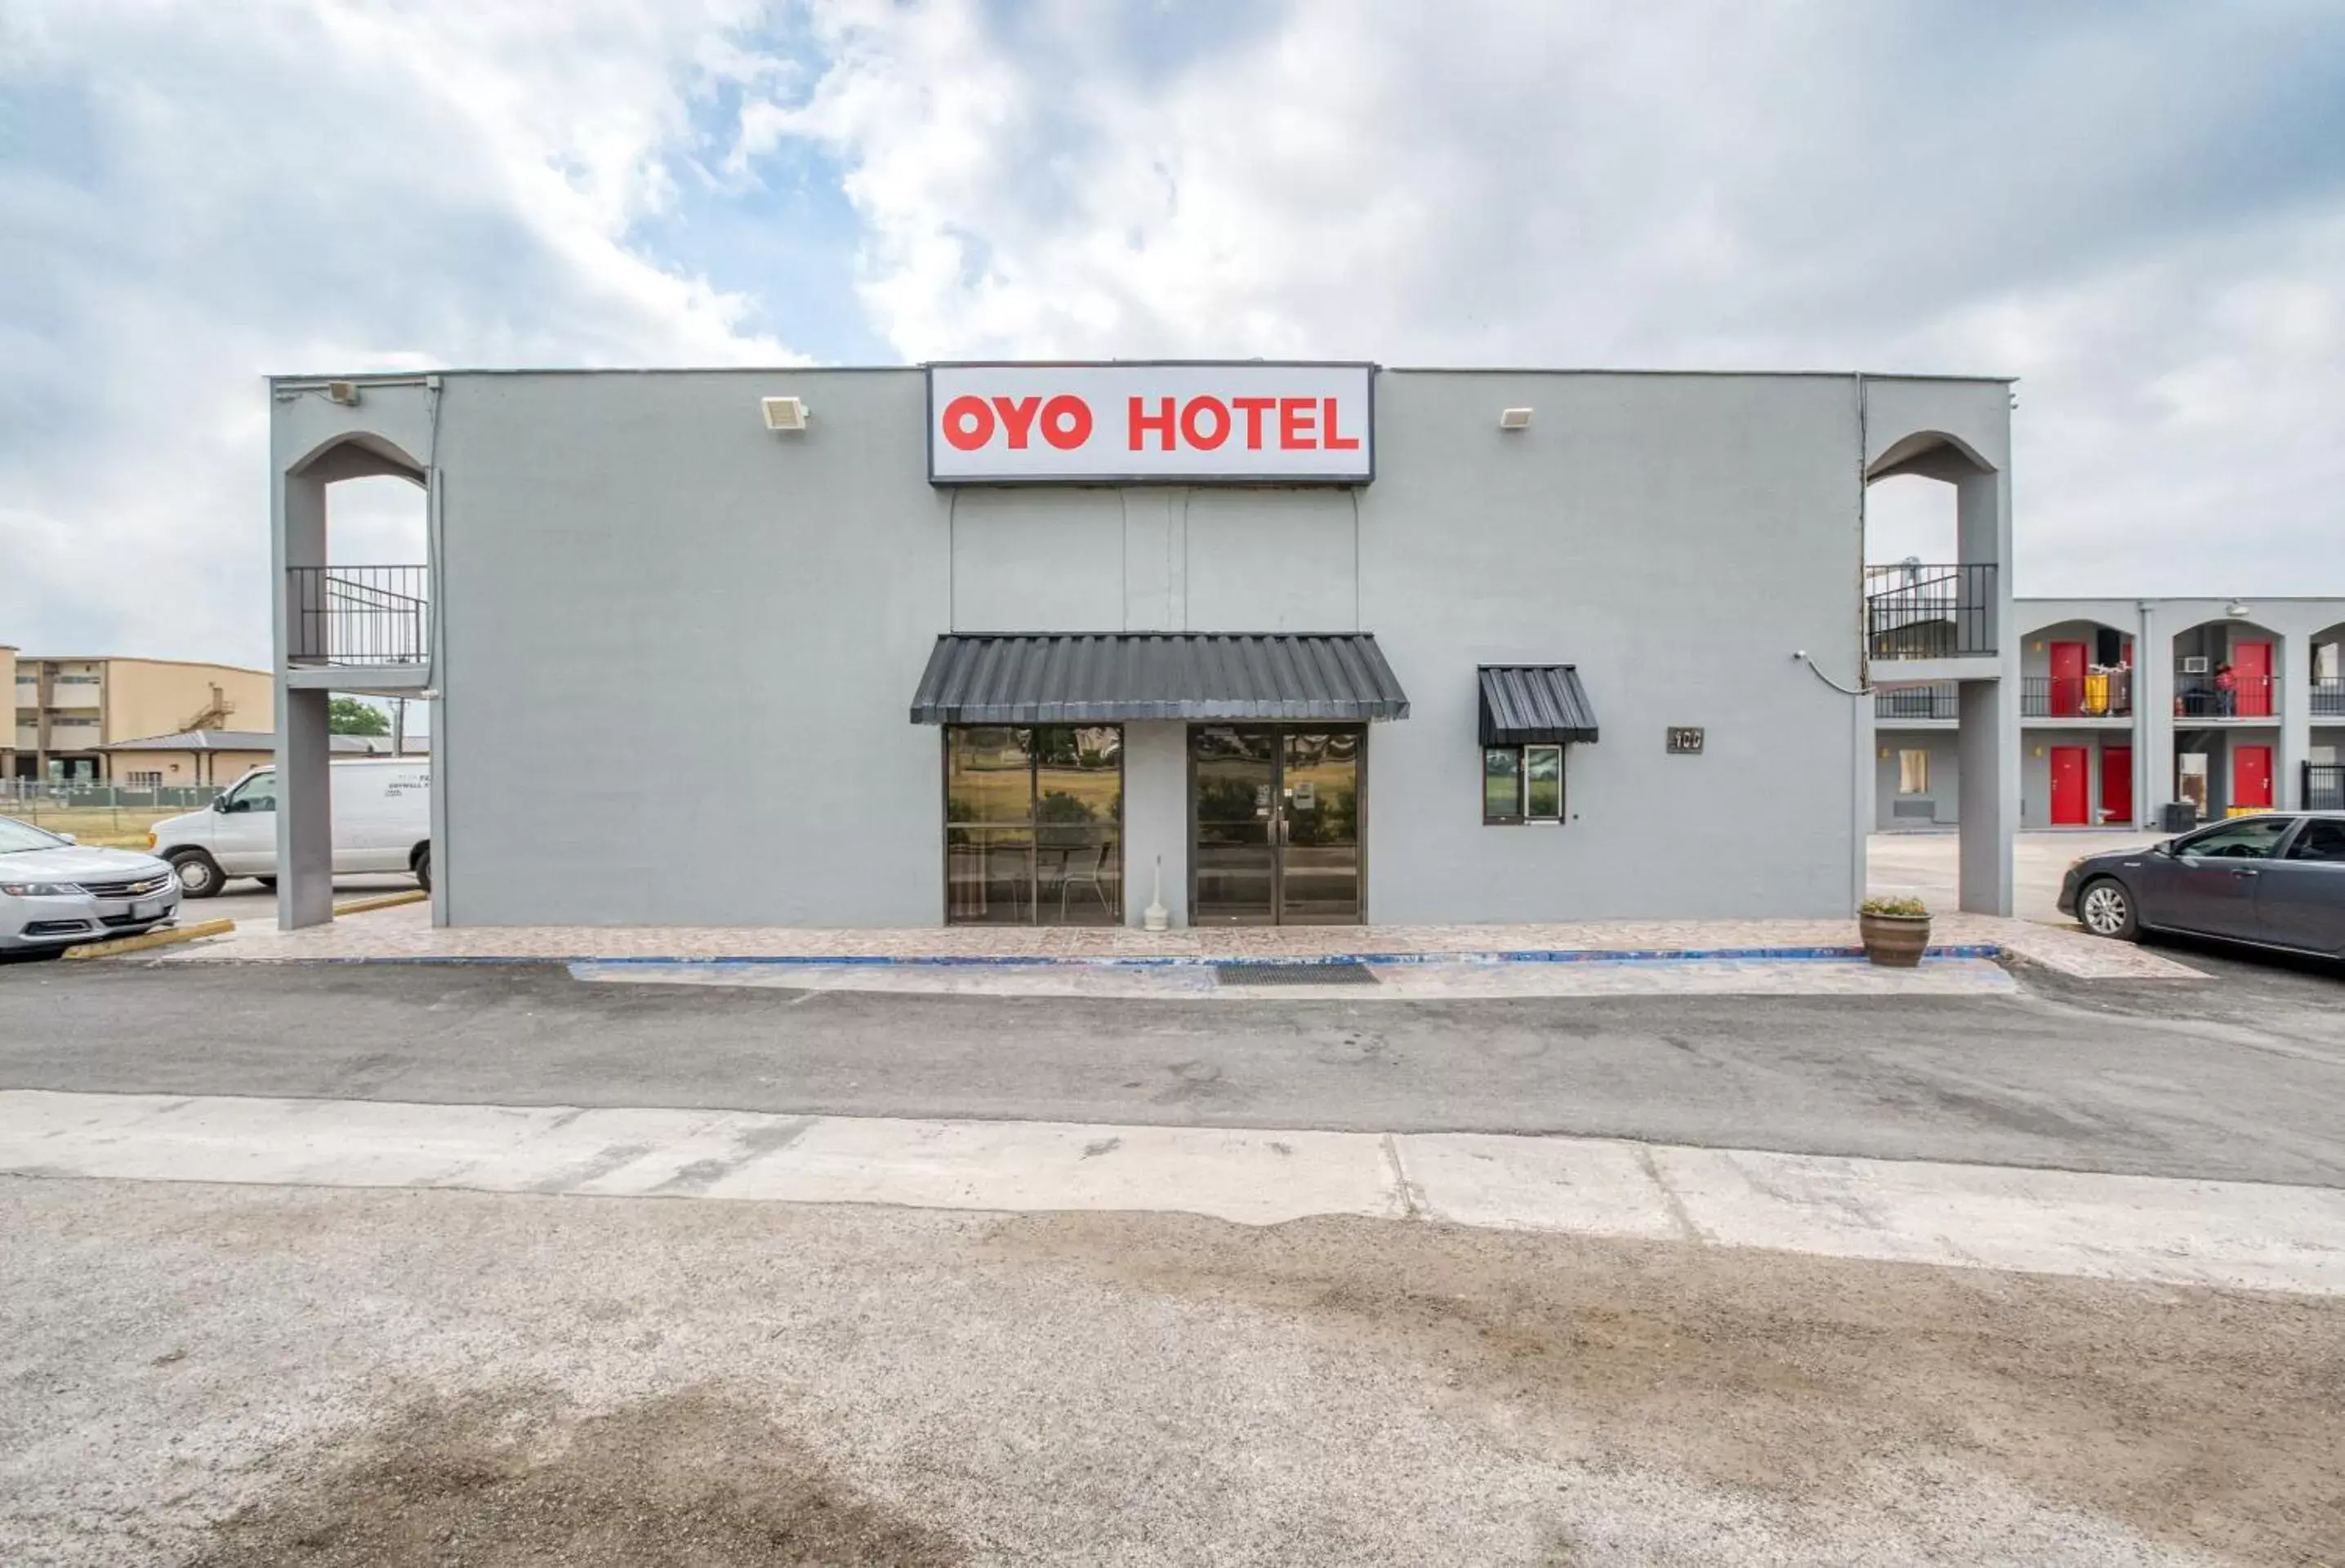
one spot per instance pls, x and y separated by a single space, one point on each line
1182 422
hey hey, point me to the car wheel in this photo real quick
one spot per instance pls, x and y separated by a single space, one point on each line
199 874
423 867
2106 908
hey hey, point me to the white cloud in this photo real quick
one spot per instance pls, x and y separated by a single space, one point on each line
194 198
2129 212
2138 211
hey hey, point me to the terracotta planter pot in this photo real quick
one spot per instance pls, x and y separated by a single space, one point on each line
1895 941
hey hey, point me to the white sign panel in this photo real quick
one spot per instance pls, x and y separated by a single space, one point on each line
1170 423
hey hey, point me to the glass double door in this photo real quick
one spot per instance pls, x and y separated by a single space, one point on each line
1274 825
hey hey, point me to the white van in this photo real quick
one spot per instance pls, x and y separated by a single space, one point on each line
382 821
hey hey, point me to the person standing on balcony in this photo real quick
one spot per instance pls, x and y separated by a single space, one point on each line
2227 691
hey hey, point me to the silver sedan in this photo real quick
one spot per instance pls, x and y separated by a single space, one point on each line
54 893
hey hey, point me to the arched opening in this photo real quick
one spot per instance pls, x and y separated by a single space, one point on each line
2229 686
355 549
2077 668
2077 703
1935 538
1931 540
355 643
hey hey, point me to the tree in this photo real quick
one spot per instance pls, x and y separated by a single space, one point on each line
348 716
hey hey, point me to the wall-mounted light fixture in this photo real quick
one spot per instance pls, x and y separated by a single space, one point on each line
1514 419
2236 611
784 414
344 392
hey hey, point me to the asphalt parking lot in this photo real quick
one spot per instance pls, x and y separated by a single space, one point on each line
2242 1076
244 900
235 1376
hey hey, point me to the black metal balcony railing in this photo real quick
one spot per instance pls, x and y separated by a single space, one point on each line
1911 703
2329 699
1917 611
2324 786
2105 694
2215 697
359 616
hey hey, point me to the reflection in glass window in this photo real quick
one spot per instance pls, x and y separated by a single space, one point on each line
2324 838
1543 784
1522 783
1502 785
257 792
2243 838
1033 825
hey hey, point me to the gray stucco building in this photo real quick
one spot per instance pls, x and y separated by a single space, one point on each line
1323 643
2129 704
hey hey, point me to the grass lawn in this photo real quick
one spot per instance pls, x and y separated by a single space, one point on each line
115 827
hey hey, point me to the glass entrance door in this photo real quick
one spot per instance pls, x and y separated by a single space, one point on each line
1276 834
1233 851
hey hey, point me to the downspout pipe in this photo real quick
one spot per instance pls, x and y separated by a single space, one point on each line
2145 642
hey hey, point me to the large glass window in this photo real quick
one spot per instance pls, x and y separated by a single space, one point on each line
1913 772
1034 825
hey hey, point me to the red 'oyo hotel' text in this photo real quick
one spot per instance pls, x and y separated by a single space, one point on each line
1162 424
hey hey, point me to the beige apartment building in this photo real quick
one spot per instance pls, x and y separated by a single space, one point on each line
70 711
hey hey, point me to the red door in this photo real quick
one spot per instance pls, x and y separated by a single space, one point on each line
2251 662
2071 790
2251 774
2067 680
2117 783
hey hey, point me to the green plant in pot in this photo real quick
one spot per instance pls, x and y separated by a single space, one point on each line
1894 930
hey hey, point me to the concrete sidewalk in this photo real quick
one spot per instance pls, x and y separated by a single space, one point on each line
2239 1234
406 935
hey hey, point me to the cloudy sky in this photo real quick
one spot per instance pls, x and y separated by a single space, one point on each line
2138 209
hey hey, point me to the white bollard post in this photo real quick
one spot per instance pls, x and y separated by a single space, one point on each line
1156 917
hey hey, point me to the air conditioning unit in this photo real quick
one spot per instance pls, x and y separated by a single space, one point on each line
784 414
2195 664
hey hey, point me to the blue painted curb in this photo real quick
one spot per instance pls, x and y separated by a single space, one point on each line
1192 960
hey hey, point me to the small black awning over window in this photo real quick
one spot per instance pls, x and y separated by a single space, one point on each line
1535 705
1087 678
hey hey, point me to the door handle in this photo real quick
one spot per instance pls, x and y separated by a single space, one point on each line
2246 874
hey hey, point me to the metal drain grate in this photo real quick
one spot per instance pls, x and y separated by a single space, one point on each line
1346 973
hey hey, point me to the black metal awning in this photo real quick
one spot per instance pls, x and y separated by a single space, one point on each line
1083 678
1535 705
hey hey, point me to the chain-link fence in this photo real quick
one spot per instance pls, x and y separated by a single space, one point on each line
115 814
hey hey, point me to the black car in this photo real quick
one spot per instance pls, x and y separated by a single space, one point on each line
2275 878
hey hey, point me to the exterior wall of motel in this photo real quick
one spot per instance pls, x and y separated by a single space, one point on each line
638 549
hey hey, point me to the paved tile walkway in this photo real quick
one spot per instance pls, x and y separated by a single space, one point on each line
406 932
1423 978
